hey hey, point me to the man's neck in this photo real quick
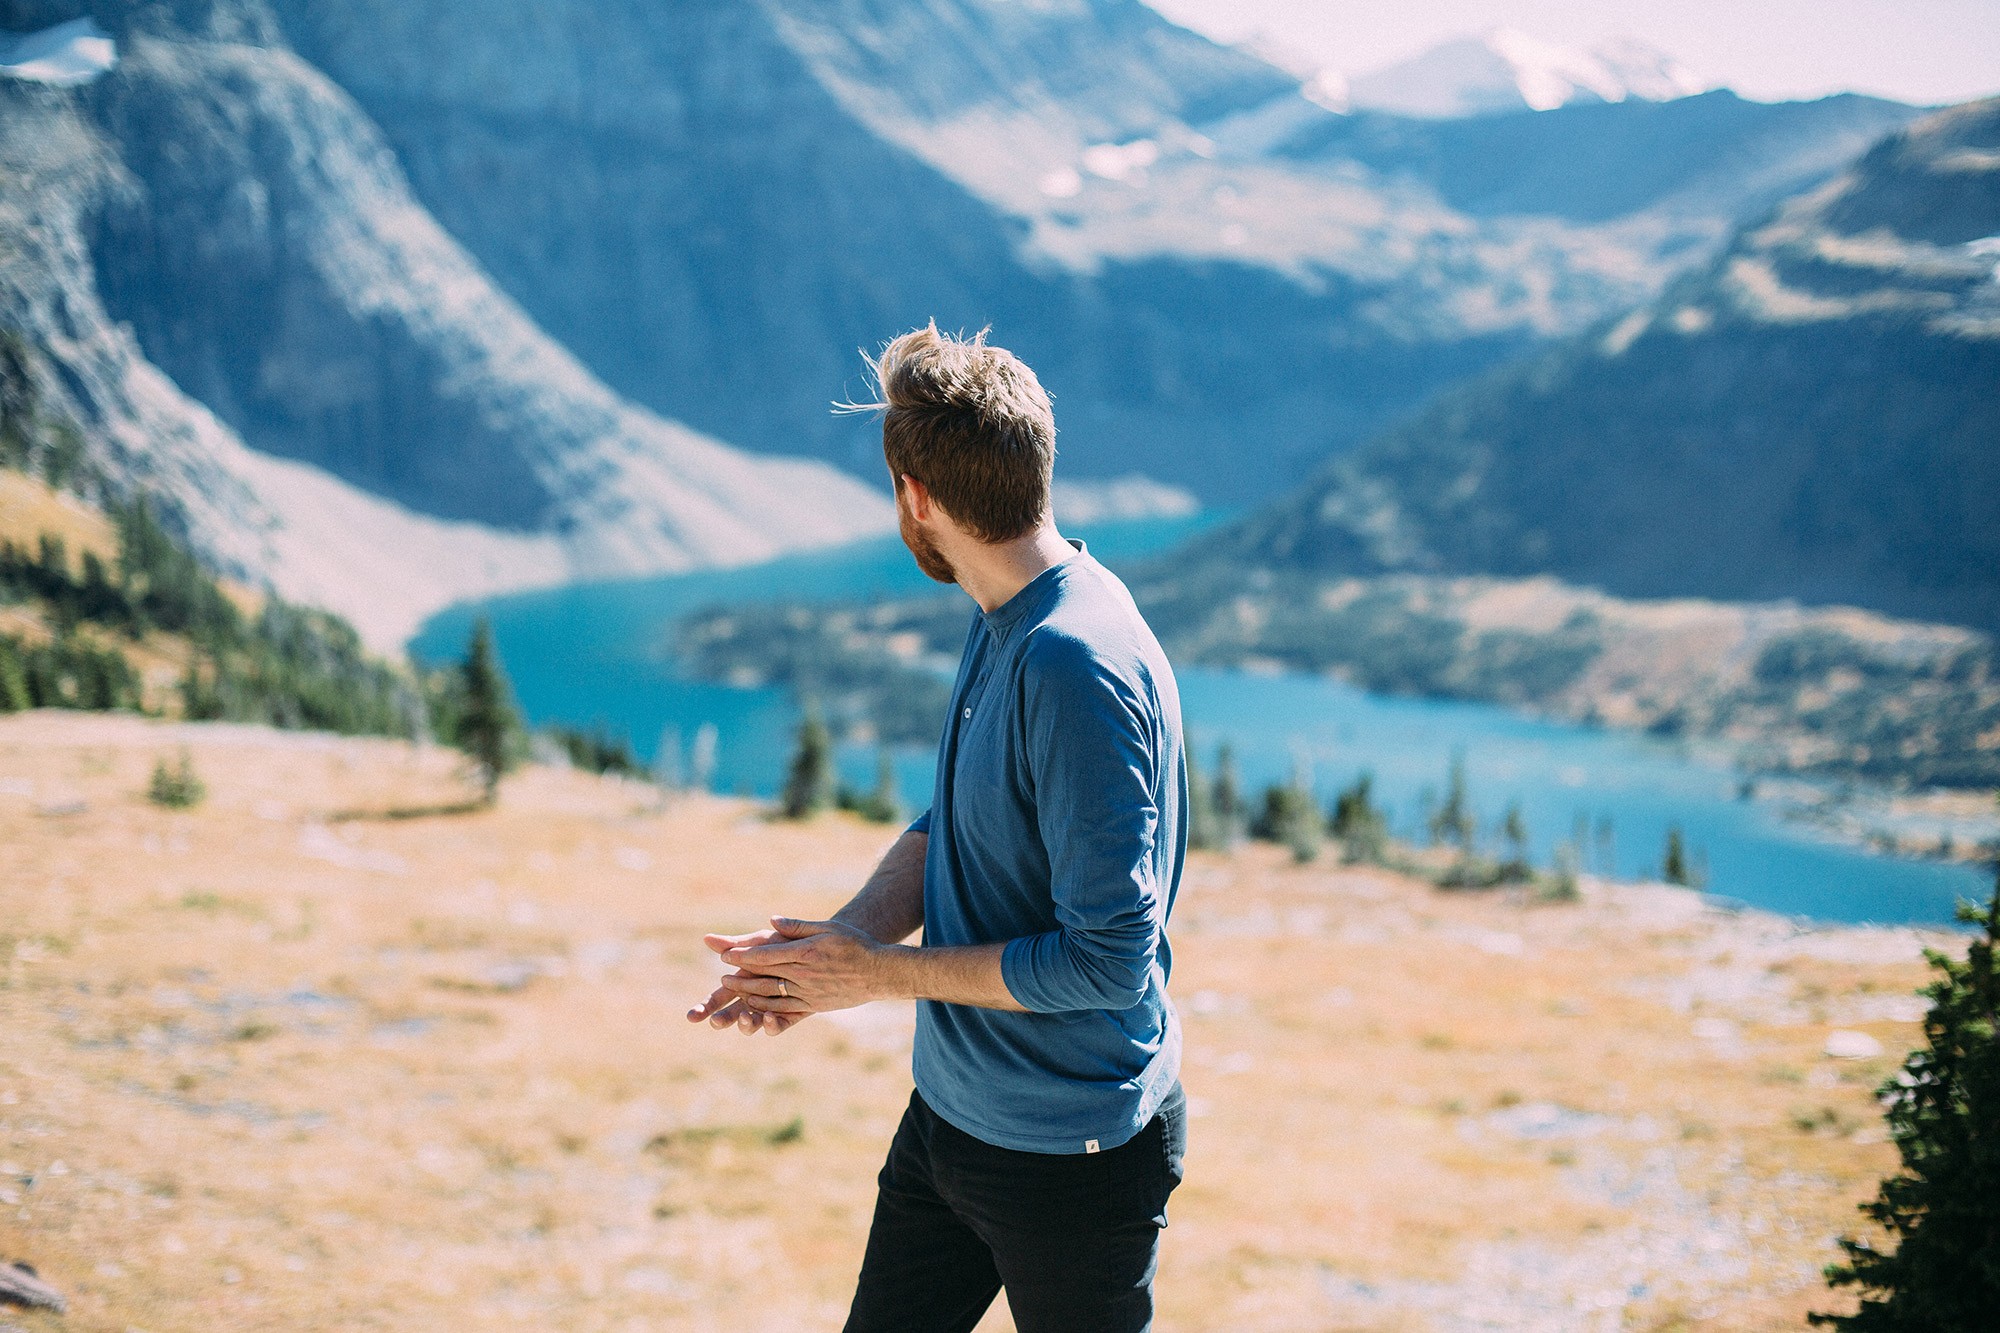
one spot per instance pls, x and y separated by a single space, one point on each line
991 575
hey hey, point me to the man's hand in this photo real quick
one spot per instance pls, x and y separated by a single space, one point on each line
809 967
725 1008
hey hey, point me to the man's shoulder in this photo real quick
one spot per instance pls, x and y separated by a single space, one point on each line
1093 634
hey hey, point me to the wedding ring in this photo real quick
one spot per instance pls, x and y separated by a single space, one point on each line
781 989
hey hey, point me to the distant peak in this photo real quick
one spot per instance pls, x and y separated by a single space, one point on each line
1505 69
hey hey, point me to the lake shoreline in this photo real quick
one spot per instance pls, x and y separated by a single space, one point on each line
901 640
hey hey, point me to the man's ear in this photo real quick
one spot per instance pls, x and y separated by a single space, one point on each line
920 497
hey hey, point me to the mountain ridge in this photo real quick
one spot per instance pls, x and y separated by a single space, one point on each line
1811 416
1506 69
1189 293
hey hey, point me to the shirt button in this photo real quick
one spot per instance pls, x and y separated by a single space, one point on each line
968 712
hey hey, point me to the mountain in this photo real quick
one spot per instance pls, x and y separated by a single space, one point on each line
1505 69
1681 173
211 245
401 303
714 206
1811 416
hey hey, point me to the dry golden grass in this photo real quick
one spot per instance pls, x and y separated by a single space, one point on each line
30 507
266 1065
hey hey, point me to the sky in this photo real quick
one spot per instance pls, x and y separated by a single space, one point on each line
1922 51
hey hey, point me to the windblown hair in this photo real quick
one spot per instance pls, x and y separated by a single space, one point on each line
973 424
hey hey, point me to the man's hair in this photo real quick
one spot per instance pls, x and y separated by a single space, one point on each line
972 423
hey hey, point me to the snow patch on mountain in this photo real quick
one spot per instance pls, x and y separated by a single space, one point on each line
1509 70
1119 499
65 56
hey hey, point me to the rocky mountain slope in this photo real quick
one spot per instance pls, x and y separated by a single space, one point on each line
1812 416
211 244
713 206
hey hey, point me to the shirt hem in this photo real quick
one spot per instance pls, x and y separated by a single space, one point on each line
1064 1145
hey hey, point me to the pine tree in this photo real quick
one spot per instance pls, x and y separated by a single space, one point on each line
1674 865
668 774
1228 795
1362 829
14 695
884 804
702 757
809 781
1514 829
1290 816
1306 829
1561 885
1453 822
489 727
1204 830
1943 1208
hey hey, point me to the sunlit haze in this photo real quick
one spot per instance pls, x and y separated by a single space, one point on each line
1936 52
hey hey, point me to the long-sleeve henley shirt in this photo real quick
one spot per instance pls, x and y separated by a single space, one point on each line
1056 825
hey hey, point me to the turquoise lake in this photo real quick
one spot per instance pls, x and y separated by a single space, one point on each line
596 654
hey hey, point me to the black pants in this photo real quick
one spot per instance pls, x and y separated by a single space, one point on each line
1073 1238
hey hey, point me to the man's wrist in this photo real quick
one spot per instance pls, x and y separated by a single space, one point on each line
895 972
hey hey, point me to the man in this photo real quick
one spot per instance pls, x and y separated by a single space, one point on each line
1047 1125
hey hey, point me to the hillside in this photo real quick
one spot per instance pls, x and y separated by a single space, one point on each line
1811 417
104 611
212 247
255 1052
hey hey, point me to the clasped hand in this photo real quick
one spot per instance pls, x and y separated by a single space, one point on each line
792 970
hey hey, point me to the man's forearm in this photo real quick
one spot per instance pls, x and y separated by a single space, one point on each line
890 906
958 974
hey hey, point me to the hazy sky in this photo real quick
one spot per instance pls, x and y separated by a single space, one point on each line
1922 51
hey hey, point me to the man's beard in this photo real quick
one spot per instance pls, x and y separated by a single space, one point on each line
929 558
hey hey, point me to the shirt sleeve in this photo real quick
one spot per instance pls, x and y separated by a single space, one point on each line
921 824
1095 757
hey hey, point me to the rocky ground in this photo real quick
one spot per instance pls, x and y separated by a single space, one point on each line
298 1058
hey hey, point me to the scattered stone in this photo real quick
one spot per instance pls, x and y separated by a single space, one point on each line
1852 1046
20 1285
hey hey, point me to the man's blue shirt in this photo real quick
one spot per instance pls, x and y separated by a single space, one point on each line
1057 825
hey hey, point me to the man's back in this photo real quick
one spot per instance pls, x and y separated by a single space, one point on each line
1057 826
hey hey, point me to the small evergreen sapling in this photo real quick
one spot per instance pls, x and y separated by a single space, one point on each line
1561 885
883 804
1204 828
1228 796
176 788
1674 864
1942 1209
1363 829
1290 817
1517 869
488 725
809 781
703 756
1453 821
